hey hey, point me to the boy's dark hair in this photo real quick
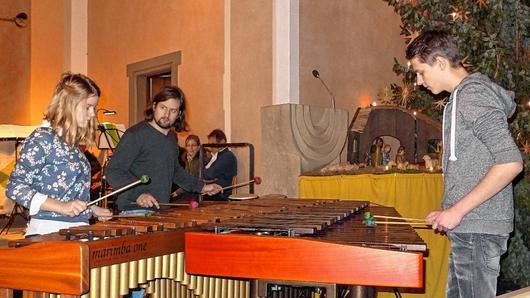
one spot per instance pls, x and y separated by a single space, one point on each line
218 134
432 44
164 94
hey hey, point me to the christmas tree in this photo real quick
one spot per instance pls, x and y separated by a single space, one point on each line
494 36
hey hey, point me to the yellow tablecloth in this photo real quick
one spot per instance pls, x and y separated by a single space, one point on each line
413 195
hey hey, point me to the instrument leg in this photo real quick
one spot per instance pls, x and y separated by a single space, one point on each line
253 284
360 292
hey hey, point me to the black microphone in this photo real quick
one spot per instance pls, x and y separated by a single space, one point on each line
316 74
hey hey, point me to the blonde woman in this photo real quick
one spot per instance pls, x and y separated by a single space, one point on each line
52 175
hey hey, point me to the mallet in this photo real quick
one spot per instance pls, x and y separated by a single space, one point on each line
370 220
144 179
192 204
256 181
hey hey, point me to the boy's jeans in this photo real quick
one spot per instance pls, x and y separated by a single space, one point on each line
474 264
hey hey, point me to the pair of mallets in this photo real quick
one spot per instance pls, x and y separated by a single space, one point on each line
144 179
194 204
370 220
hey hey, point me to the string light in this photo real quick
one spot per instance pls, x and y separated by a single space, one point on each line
386 96
459 14
440 104
406 95
410 35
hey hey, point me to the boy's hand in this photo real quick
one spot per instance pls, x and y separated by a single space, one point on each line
445 220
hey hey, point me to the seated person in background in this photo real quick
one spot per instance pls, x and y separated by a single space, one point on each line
52 175
191 156
190 159
150 148
222 167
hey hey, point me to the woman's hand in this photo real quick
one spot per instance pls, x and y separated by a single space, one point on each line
72 208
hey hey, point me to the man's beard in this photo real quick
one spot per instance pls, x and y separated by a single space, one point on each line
165 125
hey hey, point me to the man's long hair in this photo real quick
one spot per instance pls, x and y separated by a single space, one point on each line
71 90
165 94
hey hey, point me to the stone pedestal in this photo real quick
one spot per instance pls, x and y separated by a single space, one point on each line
296 139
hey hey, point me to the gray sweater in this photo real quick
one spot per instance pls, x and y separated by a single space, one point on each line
143 150
476 136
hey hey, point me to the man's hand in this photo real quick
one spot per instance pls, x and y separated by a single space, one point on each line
211 189
72 208
147 200
103 214
444 220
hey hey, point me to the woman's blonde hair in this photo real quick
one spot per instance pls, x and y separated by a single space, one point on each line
71 90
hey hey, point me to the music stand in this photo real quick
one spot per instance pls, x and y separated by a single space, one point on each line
110 136
108 140
17 209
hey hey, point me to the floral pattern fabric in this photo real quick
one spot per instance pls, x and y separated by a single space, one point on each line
47 165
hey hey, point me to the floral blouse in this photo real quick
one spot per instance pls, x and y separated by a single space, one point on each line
48 166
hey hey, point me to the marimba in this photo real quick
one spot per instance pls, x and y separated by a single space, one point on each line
323 242
281 239
109 259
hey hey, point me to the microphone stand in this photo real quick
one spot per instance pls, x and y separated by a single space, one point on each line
316 74
329 91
